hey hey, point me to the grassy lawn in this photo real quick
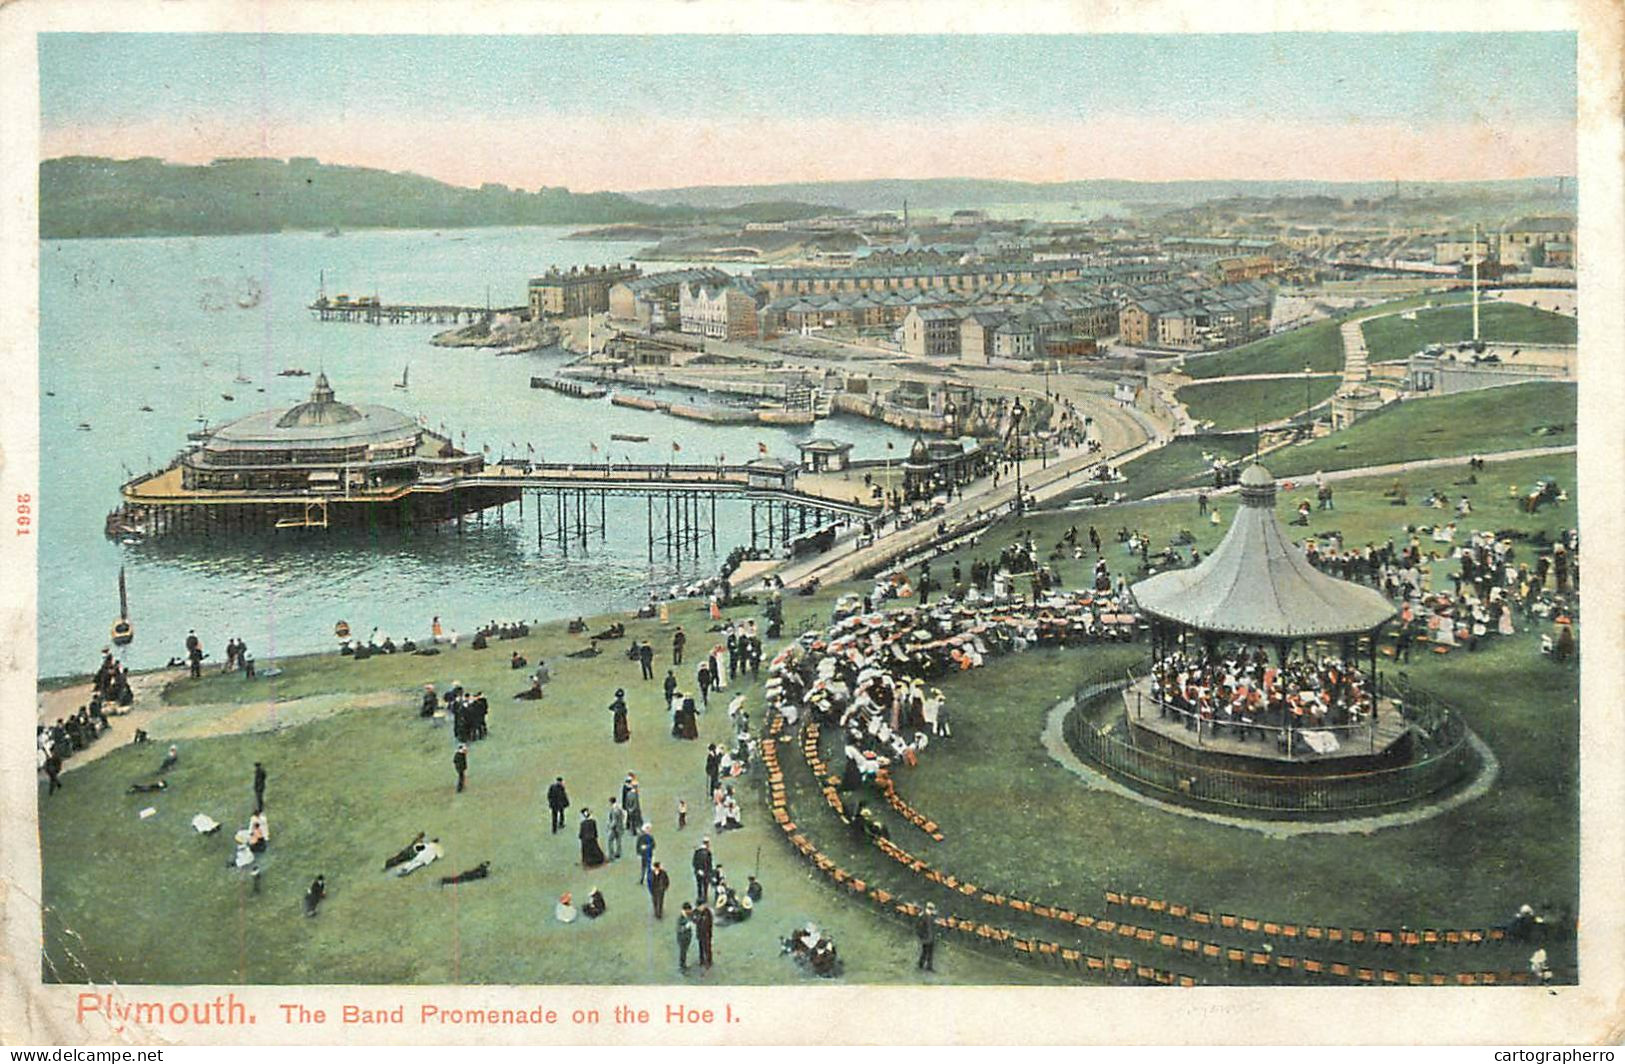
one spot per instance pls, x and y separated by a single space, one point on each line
1363 515
1016 820
1242 404
151 901
1538 414
1318 344
1395 337
1184 462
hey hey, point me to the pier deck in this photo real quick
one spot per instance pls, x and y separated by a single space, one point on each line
369 313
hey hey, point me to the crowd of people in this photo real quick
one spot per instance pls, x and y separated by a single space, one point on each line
1459 587
55 743
468 710
870 673
1245 693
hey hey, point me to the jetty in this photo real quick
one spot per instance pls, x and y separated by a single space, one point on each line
716 415
574 388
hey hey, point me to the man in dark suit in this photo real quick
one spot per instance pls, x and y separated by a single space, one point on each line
259 787
685 935
713 768
703 862
557 801
703 924
459 761
645 848
646 658
925 930
659 883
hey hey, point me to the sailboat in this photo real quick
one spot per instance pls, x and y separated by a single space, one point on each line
402 383
240 378
123 630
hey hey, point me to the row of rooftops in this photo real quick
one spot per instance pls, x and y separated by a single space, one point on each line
1177 297
653 282
930 300
1054 266
584 274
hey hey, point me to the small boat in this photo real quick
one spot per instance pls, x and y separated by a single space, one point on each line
123 631
294 373
626 437
146 409
402 385
342 630
228 397
52 394
84 426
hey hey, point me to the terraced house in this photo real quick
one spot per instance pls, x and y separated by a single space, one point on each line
723 311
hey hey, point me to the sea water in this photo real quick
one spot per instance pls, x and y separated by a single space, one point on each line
172 324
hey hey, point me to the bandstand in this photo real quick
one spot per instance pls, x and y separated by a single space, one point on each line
1263 690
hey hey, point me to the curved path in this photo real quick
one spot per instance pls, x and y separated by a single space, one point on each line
1055 744
1371 471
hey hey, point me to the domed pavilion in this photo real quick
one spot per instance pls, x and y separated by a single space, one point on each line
315 464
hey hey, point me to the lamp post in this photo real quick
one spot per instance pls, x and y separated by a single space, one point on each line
1017 412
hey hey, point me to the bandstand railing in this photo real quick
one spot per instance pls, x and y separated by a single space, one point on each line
1446 757
1284 736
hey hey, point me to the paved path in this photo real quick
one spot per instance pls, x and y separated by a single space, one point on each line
1038 483
1055 744
1382 470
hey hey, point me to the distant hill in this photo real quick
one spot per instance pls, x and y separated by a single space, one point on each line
946 193
82 196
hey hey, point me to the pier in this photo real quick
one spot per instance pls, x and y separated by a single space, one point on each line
369 311
571 502
680 502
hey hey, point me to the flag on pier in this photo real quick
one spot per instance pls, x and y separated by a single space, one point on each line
761 448
593 445
675 446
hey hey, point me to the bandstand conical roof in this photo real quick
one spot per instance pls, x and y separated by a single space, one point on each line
1257 582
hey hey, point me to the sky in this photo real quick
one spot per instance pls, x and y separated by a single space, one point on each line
626 113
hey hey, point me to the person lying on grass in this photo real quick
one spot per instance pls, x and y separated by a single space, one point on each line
406 853
430 853
479 871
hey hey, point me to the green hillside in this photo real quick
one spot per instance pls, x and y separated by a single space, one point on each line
1520 416
82 196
